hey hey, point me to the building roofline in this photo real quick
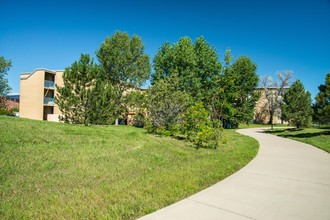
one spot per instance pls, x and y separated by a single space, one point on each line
14 93
44 69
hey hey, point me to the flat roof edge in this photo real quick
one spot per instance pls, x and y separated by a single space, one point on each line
44 69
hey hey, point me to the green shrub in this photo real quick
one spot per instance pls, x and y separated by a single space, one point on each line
4 111
199 129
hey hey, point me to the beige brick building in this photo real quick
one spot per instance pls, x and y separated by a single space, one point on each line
261 113
37 93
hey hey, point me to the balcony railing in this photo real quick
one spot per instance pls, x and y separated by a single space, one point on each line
49 84
48 101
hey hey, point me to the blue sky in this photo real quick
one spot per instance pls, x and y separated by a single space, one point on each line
277 35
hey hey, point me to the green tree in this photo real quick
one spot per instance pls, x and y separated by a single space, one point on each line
246 81
124 62
196 64
85 98
166 104
234 98
208 69
103 109
296 105
4 87
322 105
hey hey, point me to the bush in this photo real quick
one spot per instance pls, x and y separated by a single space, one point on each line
199 129
138 119
4 111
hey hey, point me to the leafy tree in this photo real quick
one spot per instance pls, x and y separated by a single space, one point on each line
103 109
208 69
273 91
234 99
297 105
4 87
166 103
124 62
196 64
85 98
224 95
245 82
322 105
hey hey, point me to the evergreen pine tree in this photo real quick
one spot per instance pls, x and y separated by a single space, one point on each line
84 99
296 107
322 105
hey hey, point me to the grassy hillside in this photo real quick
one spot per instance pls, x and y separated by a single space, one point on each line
60 171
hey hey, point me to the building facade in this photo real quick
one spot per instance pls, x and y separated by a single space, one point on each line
262 108
37 93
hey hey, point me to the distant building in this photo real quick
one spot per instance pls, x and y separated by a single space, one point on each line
261 112
37 93
12 101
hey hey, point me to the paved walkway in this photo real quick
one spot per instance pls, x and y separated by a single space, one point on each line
286 180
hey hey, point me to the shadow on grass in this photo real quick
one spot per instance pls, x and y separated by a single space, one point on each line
288 133
306 135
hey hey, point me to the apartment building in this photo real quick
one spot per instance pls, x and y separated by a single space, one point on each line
37 93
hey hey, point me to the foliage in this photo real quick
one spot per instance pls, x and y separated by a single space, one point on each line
198 127
297 105
234 98
322 105
84 99
4 87
273 91
10 112
125 65
135 101
166 103
4 111
196 65
124 62
220 98
103 109
104 172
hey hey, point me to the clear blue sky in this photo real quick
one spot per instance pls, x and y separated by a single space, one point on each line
278 35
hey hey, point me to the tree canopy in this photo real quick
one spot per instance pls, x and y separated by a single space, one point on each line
297 105
322 104
85 98
4 87
196 65
124 61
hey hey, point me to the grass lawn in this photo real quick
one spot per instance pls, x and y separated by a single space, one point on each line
318 137
60 171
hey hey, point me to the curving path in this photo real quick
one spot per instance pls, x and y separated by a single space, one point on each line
286 180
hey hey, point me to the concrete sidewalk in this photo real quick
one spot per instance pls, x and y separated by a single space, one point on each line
286 180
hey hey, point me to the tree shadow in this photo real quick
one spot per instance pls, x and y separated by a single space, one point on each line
287 133
306 135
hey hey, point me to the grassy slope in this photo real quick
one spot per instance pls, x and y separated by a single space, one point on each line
50 170
318 137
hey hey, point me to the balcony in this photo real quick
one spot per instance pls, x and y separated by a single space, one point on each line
49 84
48 101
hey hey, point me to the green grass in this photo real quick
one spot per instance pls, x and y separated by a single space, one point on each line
318 137
60 171
241 126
